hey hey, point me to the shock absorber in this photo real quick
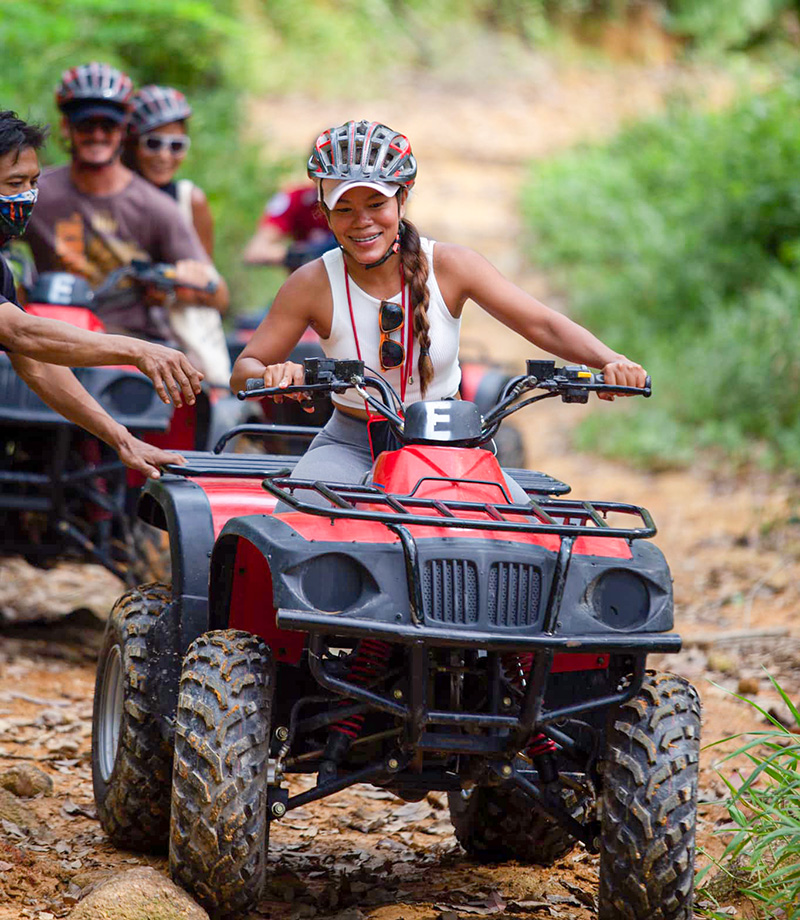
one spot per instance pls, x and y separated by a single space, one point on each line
517 667
369 663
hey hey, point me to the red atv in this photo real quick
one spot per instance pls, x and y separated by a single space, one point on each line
418 631
63 493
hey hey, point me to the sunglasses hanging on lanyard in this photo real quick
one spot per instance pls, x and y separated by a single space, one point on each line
392 355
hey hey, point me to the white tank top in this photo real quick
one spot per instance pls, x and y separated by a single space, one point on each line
444 333
183 190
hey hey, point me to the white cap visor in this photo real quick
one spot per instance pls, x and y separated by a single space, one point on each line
333 189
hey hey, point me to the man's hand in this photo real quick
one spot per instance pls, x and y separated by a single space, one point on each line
171 372
192 277
145 458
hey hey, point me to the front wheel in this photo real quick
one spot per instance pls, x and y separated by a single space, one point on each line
131 751
219 827
650 803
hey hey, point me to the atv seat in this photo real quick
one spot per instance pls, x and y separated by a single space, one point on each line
206 463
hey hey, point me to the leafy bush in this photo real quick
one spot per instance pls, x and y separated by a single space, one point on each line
764 852
679 244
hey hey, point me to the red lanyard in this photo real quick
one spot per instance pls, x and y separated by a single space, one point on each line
408 342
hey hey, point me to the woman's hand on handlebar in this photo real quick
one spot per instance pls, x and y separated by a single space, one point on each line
623 373
286 375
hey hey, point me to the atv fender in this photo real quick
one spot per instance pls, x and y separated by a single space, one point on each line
242 594
180 507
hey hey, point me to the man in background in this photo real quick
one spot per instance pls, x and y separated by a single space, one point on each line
36 345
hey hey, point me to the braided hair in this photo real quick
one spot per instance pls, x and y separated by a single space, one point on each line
415 271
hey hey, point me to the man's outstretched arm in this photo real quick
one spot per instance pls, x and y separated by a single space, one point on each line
62 391
54 342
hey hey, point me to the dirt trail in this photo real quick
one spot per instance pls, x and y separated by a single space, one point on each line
733 546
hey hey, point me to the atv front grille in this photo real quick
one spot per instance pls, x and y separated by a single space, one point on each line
514 592
450 591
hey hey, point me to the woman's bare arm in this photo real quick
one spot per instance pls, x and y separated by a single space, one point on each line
464 274
304 300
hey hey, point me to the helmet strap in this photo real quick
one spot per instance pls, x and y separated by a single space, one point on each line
394 248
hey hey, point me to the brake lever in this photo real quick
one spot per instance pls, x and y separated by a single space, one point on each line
646 390
255 389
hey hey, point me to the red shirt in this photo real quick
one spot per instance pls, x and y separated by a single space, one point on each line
295 213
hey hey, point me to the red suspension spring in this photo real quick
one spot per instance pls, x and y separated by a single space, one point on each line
370 662
517 667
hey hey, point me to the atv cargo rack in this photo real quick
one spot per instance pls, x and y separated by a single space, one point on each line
206 463
543 515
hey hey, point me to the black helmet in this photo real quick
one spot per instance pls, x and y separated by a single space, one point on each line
363 150
94 89
154 106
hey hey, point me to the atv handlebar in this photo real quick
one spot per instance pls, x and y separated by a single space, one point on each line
572 383
151 274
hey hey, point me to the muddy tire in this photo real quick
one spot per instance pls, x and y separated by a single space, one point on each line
496 824
650 804
131 756
152 560
219 828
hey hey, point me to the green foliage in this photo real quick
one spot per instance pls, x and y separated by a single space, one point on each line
726 23
765 811
679 243
195 45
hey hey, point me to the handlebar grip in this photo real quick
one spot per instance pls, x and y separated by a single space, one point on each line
646 390
254 383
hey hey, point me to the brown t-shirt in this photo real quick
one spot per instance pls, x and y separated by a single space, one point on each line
91 235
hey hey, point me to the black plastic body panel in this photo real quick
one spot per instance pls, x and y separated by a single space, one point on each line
181 507
382 606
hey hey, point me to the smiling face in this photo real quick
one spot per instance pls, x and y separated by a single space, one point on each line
19 171
159 166
365 222
95 142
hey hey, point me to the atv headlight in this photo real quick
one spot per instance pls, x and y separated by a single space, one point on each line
621 599
334 582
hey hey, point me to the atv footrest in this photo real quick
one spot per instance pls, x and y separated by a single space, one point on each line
248 466
540 483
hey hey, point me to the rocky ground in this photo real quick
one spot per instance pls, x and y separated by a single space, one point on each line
733 542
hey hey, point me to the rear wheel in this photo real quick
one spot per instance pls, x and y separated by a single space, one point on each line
650 804
219 827
131 756
495 824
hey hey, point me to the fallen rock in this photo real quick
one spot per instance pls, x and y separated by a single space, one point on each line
722 662
138 894
25 780
749 686
15 812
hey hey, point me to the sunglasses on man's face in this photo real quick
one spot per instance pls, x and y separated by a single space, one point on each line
391 317
176 144
90 125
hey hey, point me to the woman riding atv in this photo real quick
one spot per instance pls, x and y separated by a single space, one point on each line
393 300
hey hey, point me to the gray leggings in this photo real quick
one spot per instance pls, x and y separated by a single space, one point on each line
341 453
